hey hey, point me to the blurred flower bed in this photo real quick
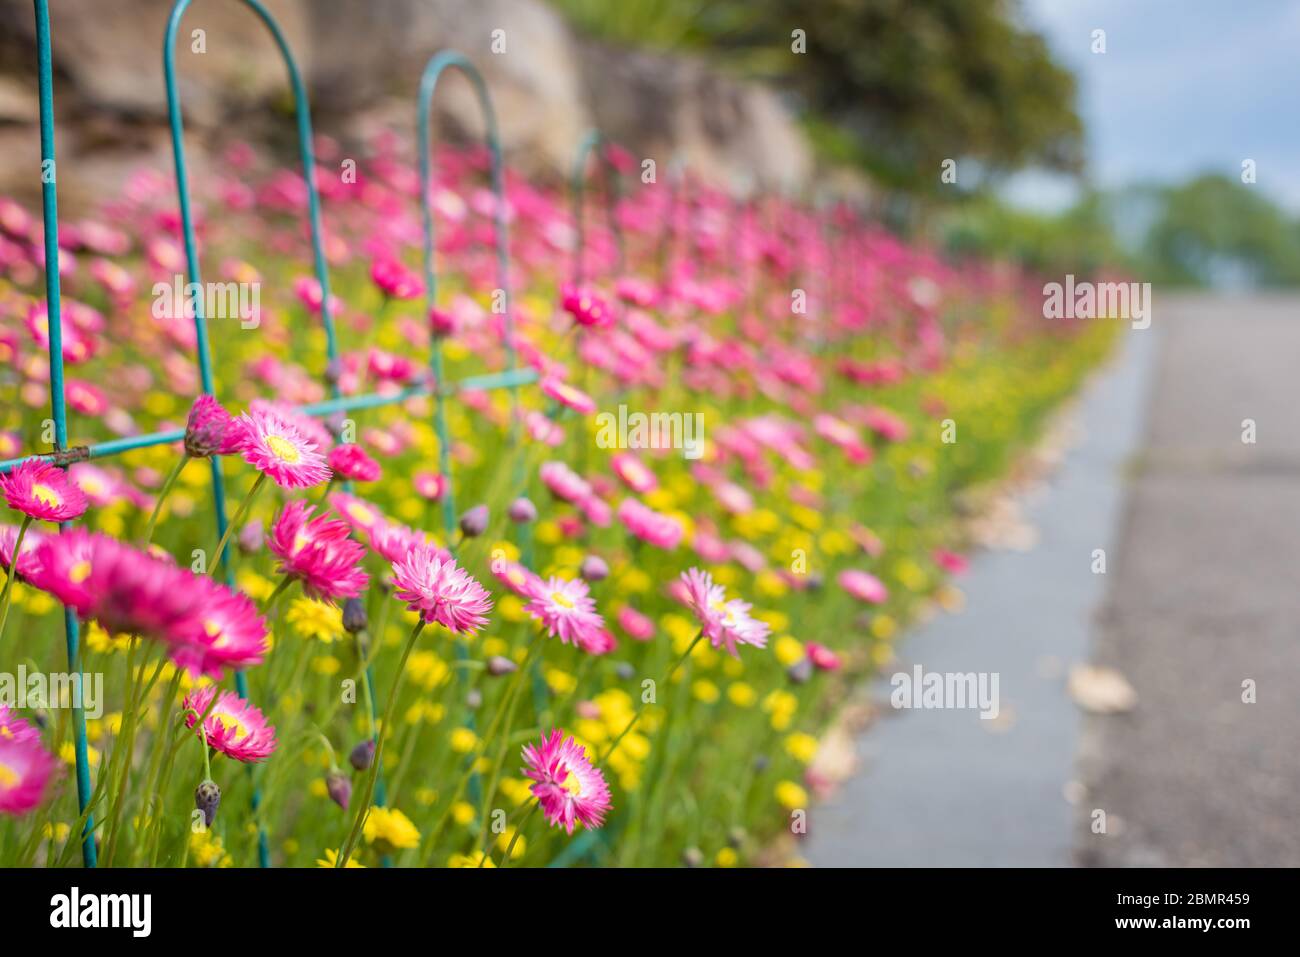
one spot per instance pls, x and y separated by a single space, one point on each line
689 625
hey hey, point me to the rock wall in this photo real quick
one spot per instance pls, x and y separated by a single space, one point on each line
362 60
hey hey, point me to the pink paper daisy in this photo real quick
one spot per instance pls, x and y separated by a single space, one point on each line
42 491
25 770
27 564
863 586
208 430
234 727
517 578
569 789
15 728
650 526
318 552
724 623
393 541
567 395
228 632
280 450
441 591
352 462
567 612
357 512
634 472
564 483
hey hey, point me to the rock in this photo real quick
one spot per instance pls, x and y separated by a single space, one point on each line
1100 690
362 62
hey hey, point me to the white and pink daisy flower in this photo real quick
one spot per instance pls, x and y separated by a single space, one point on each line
566 395
319 552
725 623
568 612
863 586
42 491
280 450
234 727
654 528
25 771
439 590
568 788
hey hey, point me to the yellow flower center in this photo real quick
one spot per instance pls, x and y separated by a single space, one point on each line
231 723
8 777
283 449
561 599
46 495
214 630
572 784
361 513
79 572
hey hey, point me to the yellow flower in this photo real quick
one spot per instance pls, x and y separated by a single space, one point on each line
463 740
326 665
770 584
315 619
517 790
390 829
254 585
802 747
207 850
742 695
790 795
503 842
809 518
99 640
705 690
883 627
787 650
427 670
561 682
726 857
331 859
462 812
634 581
465 860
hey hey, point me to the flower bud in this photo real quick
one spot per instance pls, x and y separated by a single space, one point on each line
207 798
441 323
593 569
800 671
355 618
693 857
474 699
522 510
363 755
625 671
339 788
499 665
474 522
251 538
333 371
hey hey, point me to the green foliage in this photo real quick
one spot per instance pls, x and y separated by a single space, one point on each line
912 82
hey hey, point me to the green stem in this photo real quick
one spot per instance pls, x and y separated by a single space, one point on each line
162 496
13 573
239 518
641 708
363 808
483 741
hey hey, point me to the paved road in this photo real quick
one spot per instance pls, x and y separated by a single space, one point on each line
1202 592
944 787
1205 594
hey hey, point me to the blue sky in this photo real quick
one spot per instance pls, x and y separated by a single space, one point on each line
1185 86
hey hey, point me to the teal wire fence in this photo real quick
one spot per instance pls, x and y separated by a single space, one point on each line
511 378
